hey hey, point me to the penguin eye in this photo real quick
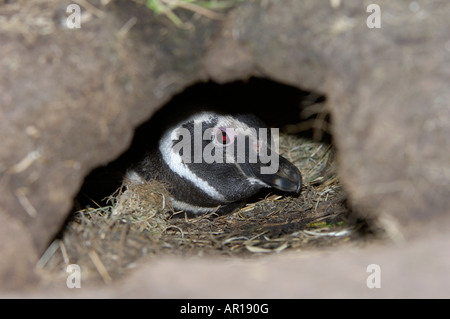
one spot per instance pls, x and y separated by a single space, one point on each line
222 137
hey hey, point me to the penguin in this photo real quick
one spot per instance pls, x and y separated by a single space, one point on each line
213 161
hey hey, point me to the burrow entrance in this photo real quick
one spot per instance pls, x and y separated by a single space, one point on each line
110 229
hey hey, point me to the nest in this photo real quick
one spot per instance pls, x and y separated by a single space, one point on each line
139 221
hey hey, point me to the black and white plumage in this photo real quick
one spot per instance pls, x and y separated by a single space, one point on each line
200 187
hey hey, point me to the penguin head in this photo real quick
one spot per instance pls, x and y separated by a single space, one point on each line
212 159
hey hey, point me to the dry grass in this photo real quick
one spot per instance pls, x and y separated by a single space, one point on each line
106 241
208 9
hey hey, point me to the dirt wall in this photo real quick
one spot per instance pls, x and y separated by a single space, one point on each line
71 98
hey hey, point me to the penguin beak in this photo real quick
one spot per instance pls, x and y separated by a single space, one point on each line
287 179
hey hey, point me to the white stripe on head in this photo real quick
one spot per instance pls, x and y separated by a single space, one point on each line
174 160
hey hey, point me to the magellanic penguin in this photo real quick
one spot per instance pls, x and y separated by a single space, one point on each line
213 161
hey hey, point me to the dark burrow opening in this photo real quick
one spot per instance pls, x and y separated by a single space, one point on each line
294 111
111 226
